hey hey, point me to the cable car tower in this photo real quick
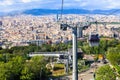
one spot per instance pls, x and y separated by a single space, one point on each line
78 26
63 26
1 30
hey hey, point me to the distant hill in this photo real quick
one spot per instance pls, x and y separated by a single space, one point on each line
13 13
37 12
69 11
55 11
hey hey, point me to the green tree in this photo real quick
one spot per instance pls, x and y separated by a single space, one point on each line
26 73
113 55
105 73
103 46
3 71
8 71
15 66
86 49
117 68
0 48
37 67
113 42
1 58
6 57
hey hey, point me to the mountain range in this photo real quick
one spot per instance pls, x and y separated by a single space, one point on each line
37 12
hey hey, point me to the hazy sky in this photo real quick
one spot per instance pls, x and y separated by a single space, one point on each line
10 5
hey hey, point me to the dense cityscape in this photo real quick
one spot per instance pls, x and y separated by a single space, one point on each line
25 28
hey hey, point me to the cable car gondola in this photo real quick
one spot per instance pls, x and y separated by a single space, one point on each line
93 39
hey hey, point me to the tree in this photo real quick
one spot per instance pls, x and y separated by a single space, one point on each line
117 68
4 75
86 49
103 46
113 55
1 58
26 73
36 69
5 57
80 43
15 66
10 70
113 42
0 48
105 73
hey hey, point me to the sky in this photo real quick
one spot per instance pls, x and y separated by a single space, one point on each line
14 5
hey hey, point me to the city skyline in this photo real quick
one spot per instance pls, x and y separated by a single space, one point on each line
14 5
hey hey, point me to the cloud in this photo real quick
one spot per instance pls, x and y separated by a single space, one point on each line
9 5
13 2
113 4
100 4
6 2
27 1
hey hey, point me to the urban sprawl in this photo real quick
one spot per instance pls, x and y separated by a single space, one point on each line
27 28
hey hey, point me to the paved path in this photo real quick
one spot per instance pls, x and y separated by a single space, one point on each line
87 75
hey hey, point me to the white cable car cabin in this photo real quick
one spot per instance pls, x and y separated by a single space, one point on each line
93 39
